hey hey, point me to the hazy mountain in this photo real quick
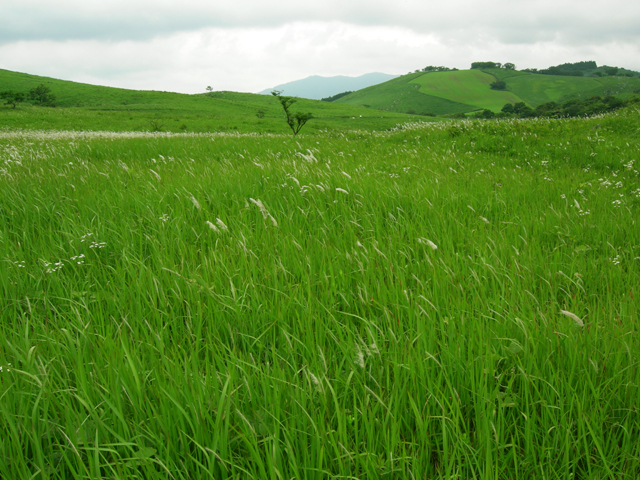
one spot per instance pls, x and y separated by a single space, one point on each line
316 87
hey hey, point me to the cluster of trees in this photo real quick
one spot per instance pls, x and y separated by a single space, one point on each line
432 68
40 95
582 66
498 85
613 72
483 65
571 108
335 97
580 69
556 71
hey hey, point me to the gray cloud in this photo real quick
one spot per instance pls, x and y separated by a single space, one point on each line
526 21
250 45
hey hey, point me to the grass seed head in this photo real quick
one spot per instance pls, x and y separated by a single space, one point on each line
573 317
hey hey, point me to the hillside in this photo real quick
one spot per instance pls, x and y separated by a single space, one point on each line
317 87
90 107
466 91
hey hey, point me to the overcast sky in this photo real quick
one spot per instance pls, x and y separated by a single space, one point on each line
251 45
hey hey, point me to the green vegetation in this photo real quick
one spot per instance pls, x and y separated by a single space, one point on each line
295 120
336 96
470 87
403 95
432 68
42 96
12 98
571 108
88 107
443 300
453 92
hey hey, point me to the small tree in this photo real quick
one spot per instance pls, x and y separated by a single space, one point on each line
508 108
12 98
295 120
509 66
42 95
209 89
498 85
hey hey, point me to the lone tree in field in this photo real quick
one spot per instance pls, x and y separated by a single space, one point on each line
12 98
42 95
295 120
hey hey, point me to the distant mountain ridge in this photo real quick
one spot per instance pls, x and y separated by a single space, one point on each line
317 87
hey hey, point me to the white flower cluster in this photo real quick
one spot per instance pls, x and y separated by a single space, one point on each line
52 267
2 368
78 259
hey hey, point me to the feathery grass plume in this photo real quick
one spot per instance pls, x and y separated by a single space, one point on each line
212 226
428 243
262 208
157 175
195 202
358 359
315 381
573 317
342 190
221 224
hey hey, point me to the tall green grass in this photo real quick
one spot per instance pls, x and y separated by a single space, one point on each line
453 300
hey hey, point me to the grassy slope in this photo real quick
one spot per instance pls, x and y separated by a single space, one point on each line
468 90
105 108
402 95
465 86
537 89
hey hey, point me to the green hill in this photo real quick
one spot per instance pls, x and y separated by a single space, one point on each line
402 94
465 91
469 87
90 107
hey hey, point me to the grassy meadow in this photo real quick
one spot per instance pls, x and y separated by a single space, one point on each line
453 300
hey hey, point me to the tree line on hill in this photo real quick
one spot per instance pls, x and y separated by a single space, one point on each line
574 107
335 97
40 95
577 69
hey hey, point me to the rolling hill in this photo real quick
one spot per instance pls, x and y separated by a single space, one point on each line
465 91
90 107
